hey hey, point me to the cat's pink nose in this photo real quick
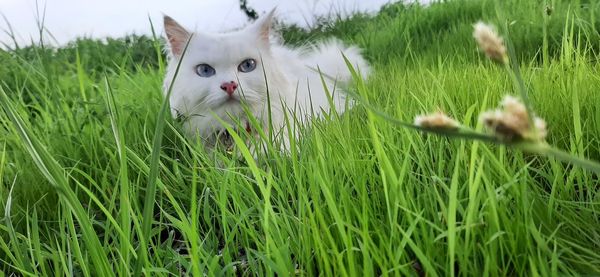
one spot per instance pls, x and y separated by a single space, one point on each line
229 87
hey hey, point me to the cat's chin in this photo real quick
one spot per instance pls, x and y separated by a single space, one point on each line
232 100
230 103
229 107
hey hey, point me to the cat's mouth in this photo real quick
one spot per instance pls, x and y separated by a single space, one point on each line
230 101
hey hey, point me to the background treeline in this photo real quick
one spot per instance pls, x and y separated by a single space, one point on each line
417 28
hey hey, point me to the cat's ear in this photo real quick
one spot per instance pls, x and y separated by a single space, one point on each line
177 36
262 26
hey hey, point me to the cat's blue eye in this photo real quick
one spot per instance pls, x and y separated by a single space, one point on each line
205 70
247 65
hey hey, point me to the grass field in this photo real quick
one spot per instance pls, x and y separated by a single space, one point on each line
95 183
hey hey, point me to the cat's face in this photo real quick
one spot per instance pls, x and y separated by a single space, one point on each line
219 74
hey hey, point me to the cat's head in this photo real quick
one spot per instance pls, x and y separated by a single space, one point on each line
219 73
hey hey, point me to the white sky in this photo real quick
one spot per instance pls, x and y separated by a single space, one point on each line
67 19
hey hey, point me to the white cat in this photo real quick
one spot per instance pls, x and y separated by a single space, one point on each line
220 74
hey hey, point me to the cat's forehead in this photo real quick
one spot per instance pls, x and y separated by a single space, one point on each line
220 47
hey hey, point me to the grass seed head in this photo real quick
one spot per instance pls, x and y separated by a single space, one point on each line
514 106
490 42
437 120
512 122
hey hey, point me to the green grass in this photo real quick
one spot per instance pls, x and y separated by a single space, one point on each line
361 197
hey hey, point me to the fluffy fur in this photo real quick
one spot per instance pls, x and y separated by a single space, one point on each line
290 75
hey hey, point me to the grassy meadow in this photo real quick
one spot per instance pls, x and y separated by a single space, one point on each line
95 182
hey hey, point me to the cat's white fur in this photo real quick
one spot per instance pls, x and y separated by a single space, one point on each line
290 75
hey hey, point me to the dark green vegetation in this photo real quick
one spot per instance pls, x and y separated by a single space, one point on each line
363 197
